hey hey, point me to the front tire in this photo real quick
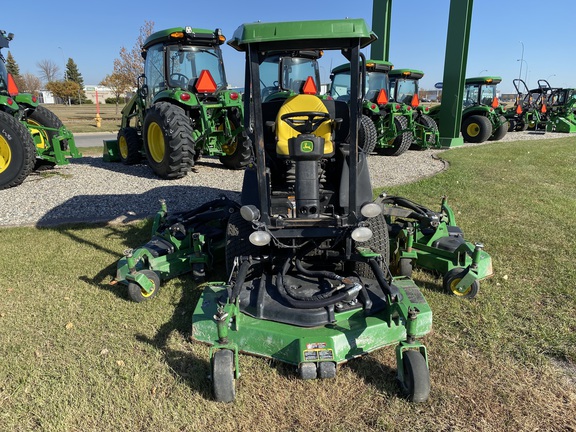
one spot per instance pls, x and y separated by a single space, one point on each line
452 278
416 380
139 294
17 152
223 382
238 150
129 146
476 129
168 140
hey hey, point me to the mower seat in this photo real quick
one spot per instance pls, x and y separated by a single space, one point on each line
302 103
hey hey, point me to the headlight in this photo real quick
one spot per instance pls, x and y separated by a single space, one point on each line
260 238
370 210
250 213
362 234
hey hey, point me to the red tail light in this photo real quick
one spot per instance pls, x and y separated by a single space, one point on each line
185 97
309 87
234 96
382 98
206 83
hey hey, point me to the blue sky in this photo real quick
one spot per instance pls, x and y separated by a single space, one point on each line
92 33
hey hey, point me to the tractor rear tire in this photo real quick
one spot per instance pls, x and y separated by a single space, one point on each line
17 152
239 149
429 123
129 146
476 129
44 117
367 135
501 131
168 140
379 243
402 142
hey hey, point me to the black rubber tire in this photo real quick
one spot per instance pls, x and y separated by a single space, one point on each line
416 380
326 370
17 152
237 244
223 382
512 125
501 131
521 126
129 146
379 243
177 155
429 122
476 129
452 278
405 267
242 152
45 117
308 371
367 135
137 294
402 142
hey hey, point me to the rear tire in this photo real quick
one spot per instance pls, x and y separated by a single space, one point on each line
367 135
17 152
129 146
44 117
429 123
402 142
476 129
168 140
238 150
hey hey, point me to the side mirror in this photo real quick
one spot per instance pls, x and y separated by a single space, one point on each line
143 91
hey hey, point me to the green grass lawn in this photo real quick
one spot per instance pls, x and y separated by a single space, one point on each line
78 356
81 118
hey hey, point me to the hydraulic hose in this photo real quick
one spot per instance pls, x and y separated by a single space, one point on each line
240 278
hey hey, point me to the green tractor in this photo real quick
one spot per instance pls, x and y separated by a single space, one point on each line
483 116
562 111
182 108
398 124
30 135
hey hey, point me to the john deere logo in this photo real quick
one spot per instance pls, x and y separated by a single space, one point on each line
307 146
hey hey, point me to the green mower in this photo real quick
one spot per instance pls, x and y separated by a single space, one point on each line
525 112
562 111
308 253
420 237
182 108
30 135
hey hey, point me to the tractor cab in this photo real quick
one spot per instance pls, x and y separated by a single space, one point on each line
183 59
308 250
404 86
481 91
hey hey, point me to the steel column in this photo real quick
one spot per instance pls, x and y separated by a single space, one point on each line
381 17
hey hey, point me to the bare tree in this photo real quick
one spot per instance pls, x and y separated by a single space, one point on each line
30 83
131 64
48 70
118 84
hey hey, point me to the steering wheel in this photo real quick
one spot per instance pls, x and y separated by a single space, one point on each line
179 78
309 124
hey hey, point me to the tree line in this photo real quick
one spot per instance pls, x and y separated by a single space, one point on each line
69 86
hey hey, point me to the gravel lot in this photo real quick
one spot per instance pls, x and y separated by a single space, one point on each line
91 190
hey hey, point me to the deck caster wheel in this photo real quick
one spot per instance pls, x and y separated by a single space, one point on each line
308 371
223 382
405 267
452 278
415 383
139 294
326 370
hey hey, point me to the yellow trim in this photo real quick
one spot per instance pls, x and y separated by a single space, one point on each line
302 103
38 135
473 129
123 147
156 142
459 292
5 154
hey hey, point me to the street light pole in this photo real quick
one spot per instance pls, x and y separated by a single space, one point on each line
521 60
526 72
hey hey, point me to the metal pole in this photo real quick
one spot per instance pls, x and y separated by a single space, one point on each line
521 60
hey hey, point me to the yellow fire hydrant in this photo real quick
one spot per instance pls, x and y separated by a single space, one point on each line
98 121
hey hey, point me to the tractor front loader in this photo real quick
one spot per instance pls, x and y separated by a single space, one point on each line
182 108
